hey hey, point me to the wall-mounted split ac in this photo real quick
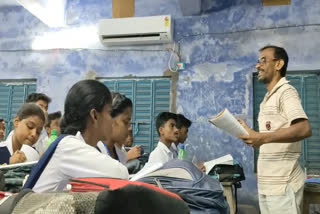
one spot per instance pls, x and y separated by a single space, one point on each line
136 30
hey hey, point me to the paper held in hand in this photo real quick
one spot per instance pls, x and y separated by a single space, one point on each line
228 123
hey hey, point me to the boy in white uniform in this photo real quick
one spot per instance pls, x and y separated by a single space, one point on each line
168 133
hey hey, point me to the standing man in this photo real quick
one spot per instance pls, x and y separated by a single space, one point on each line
282 125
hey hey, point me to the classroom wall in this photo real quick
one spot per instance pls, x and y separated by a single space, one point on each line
219 45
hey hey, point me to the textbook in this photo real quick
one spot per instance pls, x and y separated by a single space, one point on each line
30 153
228 123
227 159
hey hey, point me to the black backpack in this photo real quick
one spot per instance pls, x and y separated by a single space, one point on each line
228 173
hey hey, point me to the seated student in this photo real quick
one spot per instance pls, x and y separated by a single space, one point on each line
27 127
121 114
168 133
86 121
134 152
183 125
2 129
53 123
42 101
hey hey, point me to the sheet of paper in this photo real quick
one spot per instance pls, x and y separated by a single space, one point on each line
30 153
228 123
146 170
227 159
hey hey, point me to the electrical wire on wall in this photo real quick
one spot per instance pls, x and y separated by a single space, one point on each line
177 55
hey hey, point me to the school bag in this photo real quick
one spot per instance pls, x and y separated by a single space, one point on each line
12 176
228 173
202 193
98 196
147 198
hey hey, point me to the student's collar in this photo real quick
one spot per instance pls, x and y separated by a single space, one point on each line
79 135
174 147
164 147
280 83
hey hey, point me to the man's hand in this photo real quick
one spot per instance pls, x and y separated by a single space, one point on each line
134 153
17 157
254 139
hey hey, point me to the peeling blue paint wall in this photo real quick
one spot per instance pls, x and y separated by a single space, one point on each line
220 46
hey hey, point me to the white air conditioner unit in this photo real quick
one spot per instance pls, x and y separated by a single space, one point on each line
136 30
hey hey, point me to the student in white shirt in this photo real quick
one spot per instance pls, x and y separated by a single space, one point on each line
87 120
42 101
168 133
53 123
183 125
27 127
135 152
121 126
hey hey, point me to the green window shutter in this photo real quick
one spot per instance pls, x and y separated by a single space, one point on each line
12 96
149 97
311 146
161 99
142 116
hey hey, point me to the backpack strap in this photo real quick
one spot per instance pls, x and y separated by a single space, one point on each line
9 204
41 165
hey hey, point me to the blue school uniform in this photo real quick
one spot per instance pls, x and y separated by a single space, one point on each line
6 150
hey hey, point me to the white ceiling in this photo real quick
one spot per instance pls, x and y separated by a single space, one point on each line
8 2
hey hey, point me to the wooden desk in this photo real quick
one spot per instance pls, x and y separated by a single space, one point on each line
310 197
228 193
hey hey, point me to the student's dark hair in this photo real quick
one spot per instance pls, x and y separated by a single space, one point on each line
162 118
29 110
279 53
182 121
119 104
34 97
83 96
53 116
2 120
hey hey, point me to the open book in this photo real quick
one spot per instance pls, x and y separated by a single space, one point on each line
228 123
227 159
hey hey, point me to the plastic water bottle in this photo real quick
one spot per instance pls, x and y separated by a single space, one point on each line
182 155
53 137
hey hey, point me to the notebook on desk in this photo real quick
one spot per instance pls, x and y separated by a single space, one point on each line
11 166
